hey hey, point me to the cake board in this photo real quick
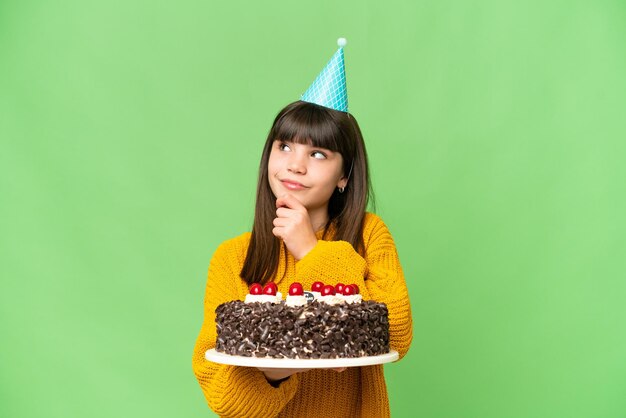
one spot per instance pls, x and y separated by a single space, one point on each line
287 363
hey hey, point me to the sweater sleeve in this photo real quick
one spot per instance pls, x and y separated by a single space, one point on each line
378 275
232 391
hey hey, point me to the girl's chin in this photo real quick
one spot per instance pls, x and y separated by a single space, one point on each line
282 190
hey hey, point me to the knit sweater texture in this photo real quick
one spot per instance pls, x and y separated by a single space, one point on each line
233 391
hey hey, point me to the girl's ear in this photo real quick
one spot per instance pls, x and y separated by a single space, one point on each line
342 183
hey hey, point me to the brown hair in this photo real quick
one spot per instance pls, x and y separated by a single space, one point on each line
308 123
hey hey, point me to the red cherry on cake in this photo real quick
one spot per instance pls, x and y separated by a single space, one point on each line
356 288
317 286
339 288
349 290
328 290
256 289
270 289
296 289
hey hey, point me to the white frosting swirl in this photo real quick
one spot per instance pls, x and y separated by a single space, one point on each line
352 298
264 298
330 299
296 300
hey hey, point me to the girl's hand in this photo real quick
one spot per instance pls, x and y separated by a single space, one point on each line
273 375
293 225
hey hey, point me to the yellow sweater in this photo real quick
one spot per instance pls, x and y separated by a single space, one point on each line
233 391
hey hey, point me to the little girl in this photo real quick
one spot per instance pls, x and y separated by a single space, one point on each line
310 225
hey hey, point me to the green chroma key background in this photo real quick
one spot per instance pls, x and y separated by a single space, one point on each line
130 134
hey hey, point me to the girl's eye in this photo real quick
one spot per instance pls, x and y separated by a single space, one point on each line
319 155
283 147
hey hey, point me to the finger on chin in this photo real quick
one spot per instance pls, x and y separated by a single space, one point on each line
281 201
289 201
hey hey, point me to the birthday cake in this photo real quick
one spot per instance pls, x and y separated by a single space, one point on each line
326 322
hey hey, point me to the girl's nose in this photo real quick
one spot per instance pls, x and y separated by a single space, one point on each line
297 164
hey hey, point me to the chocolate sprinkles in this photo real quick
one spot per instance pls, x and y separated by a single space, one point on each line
316 330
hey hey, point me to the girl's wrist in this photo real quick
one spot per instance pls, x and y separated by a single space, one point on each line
308 248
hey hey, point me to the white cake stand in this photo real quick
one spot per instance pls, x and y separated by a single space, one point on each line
287 363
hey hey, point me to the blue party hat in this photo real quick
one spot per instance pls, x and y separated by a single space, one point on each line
329 88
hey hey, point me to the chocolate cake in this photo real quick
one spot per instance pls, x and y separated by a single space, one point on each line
311 331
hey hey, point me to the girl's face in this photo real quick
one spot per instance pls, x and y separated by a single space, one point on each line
309 173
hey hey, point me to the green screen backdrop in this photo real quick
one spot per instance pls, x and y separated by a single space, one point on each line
130 134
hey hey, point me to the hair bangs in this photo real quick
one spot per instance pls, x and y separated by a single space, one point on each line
309 124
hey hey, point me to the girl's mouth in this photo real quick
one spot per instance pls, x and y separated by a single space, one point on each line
293 185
